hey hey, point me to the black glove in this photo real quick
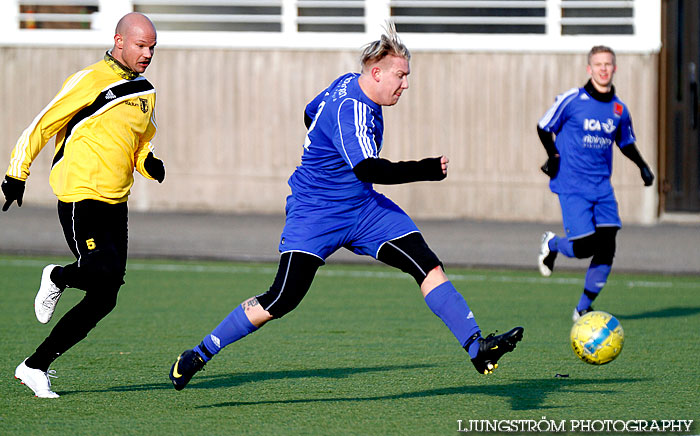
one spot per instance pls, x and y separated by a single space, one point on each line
551 167
647 175
13 190
155 167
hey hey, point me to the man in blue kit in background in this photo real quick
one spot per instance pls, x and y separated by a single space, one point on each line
334 205
586 122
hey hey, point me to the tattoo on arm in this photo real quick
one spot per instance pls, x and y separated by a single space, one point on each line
249 303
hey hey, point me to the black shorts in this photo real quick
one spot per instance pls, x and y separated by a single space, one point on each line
97 234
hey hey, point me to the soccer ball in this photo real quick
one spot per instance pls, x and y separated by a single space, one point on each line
597 338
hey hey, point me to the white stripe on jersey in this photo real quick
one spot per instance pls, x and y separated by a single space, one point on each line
340 129
360 112
23 141
560 103
361 127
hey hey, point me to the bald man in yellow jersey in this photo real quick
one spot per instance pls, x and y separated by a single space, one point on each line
103 120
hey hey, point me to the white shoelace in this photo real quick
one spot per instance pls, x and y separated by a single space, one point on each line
49 375
51 299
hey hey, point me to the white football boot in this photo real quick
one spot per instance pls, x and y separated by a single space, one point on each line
36 380
47 297
545 269
577 315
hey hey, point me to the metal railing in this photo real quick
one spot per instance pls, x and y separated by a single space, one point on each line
443 24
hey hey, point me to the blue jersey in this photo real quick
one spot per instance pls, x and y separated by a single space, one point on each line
585 130
347 128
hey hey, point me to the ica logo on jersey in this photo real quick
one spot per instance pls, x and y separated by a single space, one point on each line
593 125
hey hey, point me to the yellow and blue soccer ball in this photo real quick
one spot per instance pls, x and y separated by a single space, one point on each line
597 338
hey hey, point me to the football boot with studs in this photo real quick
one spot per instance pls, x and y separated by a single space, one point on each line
492 348
186 365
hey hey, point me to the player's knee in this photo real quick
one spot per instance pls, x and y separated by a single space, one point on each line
411 255
605 247
106 304
278 302
584 247
603 258
294 276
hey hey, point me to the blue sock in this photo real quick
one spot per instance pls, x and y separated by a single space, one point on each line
562 245
234 327
452 309
596 277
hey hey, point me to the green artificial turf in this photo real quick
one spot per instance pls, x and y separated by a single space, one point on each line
361 355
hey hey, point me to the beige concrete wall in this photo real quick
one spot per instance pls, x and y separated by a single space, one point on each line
231 126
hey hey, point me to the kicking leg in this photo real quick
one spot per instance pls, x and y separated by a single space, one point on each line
412 255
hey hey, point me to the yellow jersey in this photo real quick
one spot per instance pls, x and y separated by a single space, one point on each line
103 119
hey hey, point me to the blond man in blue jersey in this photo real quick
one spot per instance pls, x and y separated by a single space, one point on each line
334 205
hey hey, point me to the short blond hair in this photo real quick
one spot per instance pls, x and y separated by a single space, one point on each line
388 45
601 49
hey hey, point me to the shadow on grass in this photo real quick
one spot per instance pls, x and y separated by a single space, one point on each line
204 381
522 394
669 312
525 394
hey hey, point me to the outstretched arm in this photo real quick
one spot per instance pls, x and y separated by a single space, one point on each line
385 172
632 154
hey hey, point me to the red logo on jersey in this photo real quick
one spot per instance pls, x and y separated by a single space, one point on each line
617 108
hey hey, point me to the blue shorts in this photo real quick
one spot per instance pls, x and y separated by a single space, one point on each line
582 213
321 228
